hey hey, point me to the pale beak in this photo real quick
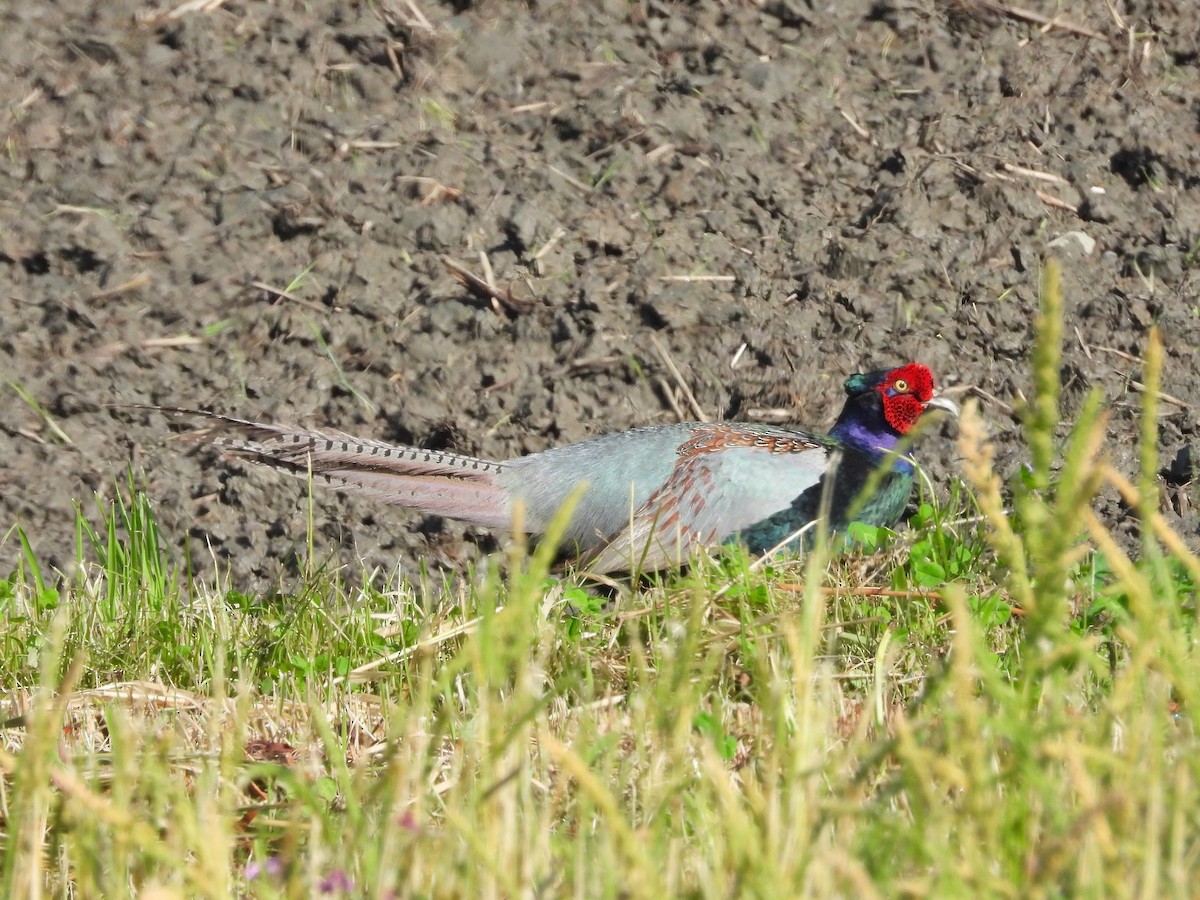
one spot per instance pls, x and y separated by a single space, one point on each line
943 403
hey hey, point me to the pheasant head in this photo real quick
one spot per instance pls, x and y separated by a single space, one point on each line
883 406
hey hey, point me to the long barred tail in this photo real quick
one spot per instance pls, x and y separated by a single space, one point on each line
429 481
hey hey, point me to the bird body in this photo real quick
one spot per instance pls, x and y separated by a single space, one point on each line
651 495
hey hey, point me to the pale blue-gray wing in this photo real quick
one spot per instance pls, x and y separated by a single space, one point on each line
620 472
727 479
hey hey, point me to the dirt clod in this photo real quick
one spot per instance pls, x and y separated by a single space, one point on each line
247 210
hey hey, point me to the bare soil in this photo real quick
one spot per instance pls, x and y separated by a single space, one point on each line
247 209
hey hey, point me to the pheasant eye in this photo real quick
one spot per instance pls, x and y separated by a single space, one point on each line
900 385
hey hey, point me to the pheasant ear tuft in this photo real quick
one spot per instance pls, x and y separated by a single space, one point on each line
858 383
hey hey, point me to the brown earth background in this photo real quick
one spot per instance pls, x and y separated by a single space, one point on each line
246 208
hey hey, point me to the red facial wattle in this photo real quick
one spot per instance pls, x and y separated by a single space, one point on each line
904 393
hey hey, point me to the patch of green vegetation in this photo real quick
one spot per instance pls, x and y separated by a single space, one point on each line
610 171
44 414
996 700
440 114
